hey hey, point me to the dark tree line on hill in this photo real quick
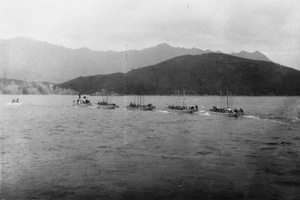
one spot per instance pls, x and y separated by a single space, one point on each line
206 74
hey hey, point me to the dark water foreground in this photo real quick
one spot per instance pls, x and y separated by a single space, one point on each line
51 150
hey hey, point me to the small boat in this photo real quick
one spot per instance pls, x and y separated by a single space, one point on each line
138 104
236 114
14 102
133 106
182 109
82 102
105 105
226 111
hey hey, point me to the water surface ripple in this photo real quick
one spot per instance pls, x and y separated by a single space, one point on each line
52 150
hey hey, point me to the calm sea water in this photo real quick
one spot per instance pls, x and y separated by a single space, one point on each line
52 150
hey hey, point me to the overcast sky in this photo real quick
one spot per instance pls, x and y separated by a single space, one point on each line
269 26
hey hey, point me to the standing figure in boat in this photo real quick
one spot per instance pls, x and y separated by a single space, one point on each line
182 109
85 100
15 100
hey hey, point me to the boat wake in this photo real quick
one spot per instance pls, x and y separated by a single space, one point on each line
251 117
12 104
204 113
78 106
288 119
275 119
162 111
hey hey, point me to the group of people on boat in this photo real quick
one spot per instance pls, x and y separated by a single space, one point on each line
104 102
228 110
83 100
134 105
173 107
15 100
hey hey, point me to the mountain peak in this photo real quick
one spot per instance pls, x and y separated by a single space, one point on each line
163 45
253 56
258 53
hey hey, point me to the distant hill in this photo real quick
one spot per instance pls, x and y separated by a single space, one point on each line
31 60
12 86
197 74
253 56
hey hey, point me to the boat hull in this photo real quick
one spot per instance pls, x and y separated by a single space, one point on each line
107 106
226 114
218 113
82 104
236 114
187 111
13 104
142 108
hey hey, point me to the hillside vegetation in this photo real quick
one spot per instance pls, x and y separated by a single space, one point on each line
197 74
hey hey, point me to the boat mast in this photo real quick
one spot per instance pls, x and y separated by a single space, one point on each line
175 97
140 100
221 99
178 98
227 101
183 100
143 100
231 101
125 67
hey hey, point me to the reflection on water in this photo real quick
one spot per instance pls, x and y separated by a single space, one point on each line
52 150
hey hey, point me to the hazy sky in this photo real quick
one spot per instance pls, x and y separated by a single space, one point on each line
269 26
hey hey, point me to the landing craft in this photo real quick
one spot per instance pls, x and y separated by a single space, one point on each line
181 108
226 111
139 104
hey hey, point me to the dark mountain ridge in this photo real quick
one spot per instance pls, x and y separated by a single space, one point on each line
197 74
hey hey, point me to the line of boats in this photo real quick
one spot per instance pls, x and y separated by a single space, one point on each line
135 106
139 104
